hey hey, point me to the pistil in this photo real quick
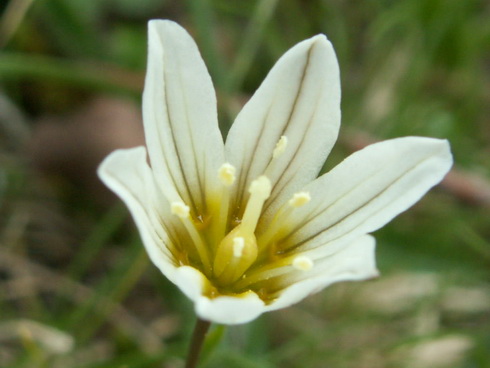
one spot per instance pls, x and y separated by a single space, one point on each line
238 250
260 190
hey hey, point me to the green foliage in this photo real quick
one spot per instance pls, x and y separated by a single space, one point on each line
409 67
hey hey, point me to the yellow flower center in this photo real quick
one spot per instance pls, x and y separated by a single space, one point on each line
238 250
227 247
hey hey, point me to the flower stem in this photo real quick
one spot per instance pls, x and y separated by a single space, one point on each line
200 331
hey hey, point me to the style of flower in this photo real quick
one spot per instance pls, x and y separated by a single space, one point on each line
246 227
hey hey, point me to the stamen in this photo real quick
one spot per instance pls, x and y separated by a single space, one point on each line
278 151
277 224
280 147
259 190
238 245
299 199
181 210
226 174
303 263
275 269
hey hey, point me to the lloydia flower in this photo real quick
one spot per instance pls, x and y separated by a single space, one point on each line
246 227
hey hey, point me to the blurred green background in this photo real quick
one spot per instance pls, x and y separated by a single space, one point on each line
76 288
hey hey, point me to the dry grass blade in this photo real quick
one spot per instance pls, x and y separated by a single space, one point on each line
43 280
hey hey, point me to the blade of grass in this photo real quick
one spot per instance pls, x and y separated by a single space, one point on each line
11 19
212 341
112 291
100 77
80 295
203 17
474 240
101 233
251 41
105 228
74 27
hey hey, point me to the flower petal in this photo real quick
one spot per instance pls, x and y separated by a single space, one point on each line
353 262
180 117
190 281
128 175
230 310
367 190
299 99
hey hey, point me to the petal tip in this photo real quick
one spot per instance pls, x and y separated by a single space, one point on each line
157 23
320 40
443 152
165 27
119 154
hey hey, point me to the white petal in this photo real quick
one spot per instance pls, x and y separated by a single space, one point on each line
128 175
300 98
353 262
368 189
180 117
190 281
230 310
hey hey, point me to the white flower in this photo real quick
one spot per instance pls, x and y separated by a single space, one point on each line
245 227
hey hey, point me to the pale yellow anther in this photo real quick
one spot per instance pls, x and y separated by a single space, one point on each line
280 147
261 188
303 263
180 209
299 199
238 245
226 174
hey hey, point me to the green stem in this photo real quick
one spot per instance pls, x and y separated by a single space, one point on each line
200 331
